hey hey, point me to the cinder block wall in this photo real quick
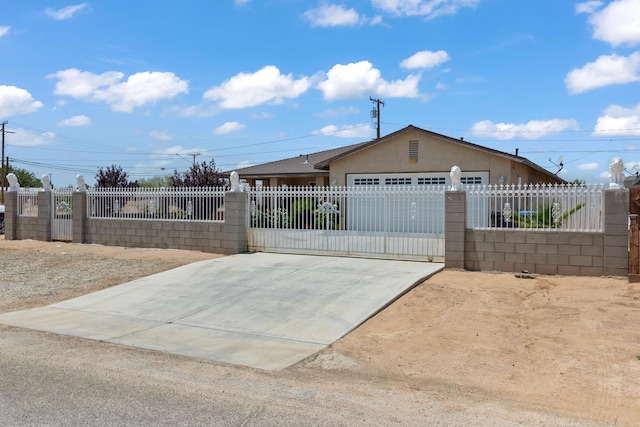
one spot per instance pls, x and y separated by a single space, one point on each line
10 214
228 237
24 227
454 229
542 252
549 252
616 233
196 236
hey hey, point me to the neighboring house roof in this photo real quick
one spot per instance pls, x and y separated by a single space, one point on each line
318 163
302 165
631 181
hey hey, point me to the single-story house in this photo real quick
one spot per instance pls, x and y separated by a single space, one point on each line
409 156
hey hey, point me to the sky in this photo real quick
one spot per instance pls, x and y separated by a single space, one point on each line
152 85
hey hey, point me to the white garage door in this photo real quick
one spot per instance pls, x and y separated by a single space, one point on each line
435 178
413 204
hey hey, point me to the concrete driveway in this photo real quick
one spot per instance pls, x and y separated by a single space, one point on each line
266 311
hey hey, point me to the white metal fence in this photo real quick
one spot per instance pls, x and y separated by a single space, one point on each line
28 202
536 207
62 214
387 222
175 204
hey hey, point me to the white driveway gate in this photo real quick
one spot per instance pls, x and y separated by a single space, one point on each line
393 222
61 214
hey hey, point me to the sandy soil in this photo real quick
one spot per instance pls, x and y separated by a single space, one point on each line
568 346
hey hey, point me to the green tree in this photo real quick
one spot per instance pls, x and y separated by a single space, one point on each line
156 182
114 176
199 175
25 178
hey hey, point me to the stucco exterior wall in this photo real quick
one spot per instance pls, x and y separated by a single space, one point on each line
434 155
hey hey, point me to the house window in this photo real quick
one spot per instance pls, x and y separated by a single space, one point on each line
413 151
366 181
471 180
432 181
397 181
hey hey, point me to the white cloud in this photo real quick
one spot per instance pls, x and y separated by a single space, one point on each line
354 131
618 23
75 121
65 12
243 164
180 151
4 30
332 15
228 127
376 20
26 138
193 110
618 120
355 80
241 2
588 6
139 89
14 101
427 8
531 130
425 59
162 135
338 112
588 166
249 90
262 116
606 70
441 86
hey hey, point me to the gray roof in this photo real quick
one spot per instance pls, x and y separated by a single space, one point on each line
302 165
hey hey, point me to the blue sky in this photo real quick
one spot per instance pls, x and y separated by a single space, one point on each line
147 84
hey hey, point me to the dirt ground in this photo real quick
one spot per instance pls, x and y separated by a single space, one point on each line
564 345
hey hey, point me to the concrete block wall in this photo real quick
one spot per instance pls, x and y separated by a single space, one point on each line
454 229
542 252
196 236
79 210
228 237
616 233
25 227
549 252
10 215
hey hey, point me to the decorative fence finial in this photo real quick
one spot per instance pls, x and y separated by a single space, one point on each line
235 182
615 173
14 185
81 187
46 182
455 174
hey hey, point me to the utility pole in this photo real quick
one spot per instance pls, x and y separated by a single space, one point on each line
4 169
375 113
194 155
